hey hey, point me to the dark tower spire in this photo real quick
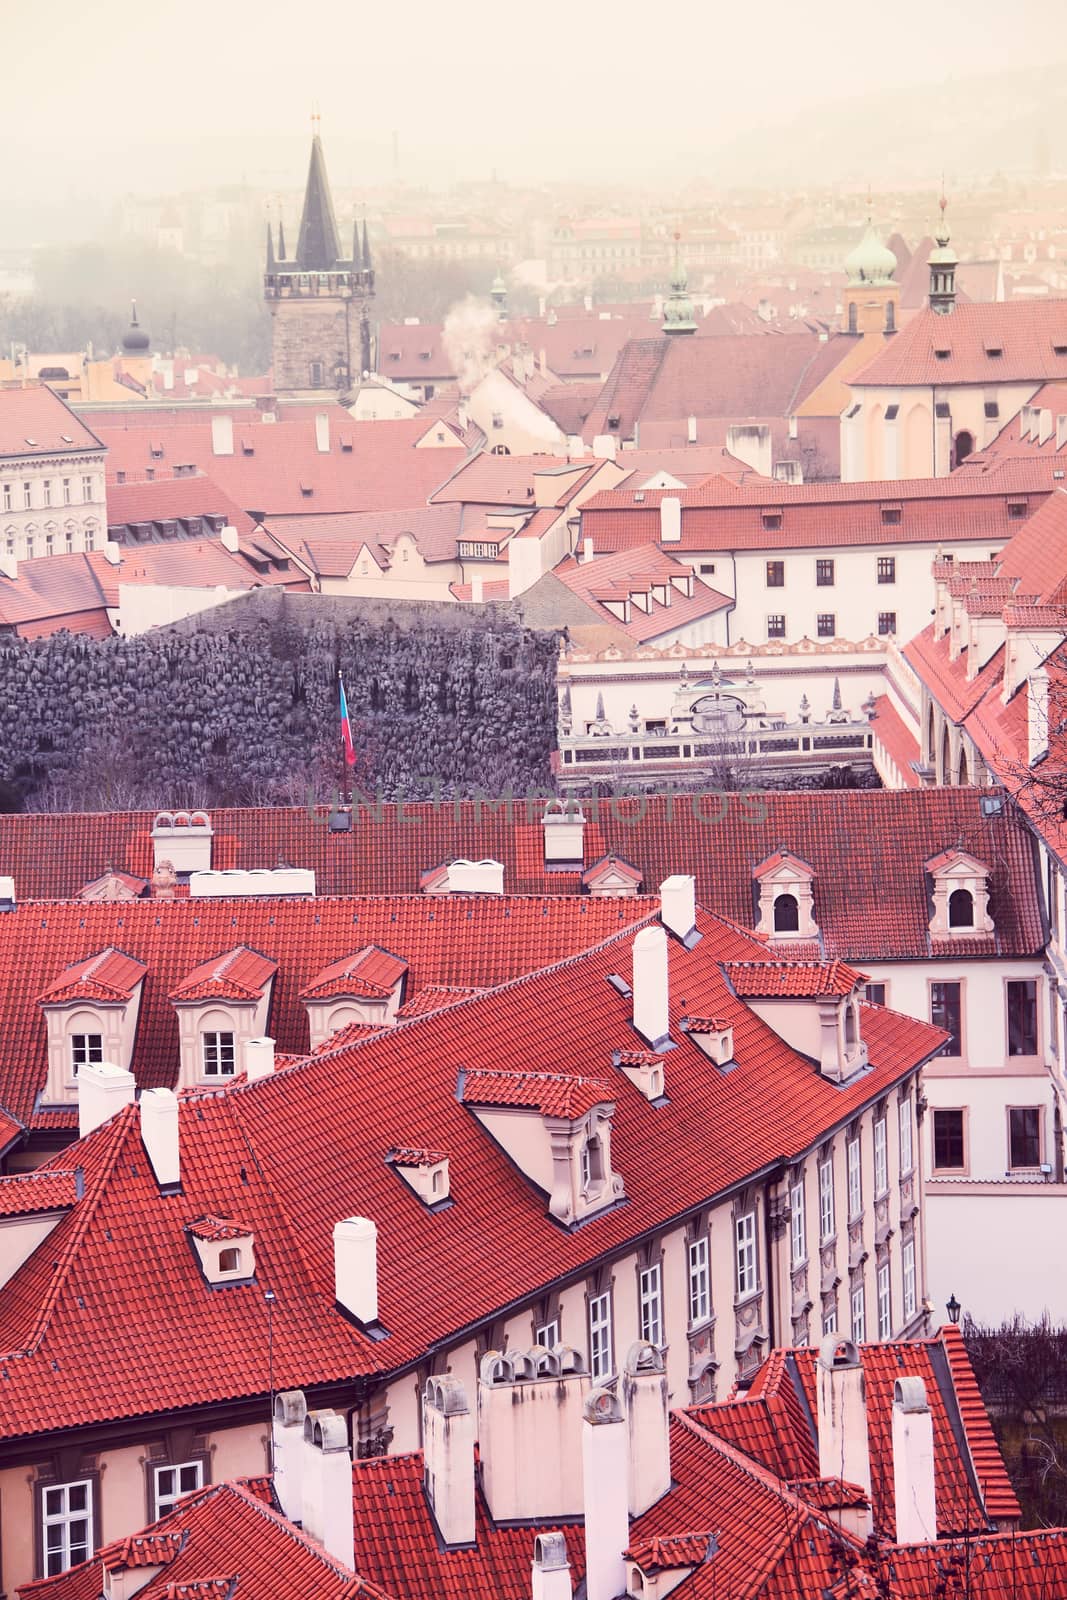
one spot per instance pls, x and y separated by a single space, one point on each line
270 248
943 264
318 247
357 258
366 248
281 239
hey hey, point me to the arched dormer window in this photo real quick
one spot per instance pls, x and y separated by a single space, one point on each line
961 909
853 316
786 914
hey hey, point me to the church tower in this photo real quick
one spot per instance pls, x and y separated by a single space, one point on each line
943 264
871 295
319 300
678 314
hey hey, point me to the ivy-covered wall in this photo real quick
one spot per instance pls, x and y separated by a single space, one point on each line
249 714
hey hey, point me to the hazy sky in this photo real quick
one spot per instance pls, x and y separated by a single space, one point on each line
125 94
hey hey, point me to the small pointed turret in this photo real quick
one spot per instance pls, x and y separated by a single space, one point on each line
366 248
943 264
281 239
357 253
270 248
678 307
318 247
135 341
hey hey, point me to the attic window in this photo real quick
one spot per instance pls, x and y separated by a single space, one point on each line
772 520
66 438
394 355
639 495
346 444
942 352
157 451
991 409
247 447
31 442
891 413
891 516
994 350
613 422
1059 349
1016 510
306 490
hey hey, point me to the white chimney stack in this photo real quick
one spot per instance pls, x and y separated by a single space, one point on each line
160 1135
550 1574
9 566
650 990
646 1401
587 547
355 1257
448 1457
287 1441
678 904
229 539
322 433
7 894
327 1485
605 447
914 1495
670 519
112 553
606 1491
222 436
103 1091
844 1449
691 430
259 1058
477 590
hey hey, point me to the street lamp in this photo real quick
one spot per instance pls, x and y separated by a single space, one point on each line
953 1308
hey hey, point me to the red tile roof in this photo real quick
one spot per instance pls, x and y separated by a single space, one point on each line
241 974
215 1229
53 592
35 422
27 1192
110 976
372 973
551 1093
772 979
122 1249
331 545
1030 336
617 577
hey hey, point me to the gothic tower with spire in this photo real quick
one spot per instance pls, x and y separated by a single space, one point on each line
319 300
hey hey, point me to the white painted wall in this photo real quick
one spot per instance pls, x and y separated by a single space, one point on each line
74 525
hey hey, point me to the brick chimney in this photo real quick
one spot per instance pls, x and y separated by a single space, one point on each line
103 1091
327 1484
914 1494
844 1448
646 1403
606 1489
550 1574
160 1135
355 1254
650 987
448 1459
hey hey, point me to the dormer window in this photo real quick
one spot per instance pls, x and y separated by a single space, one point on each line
960 895
221 1004
592 1166
90 1013
961 909
85 1049
224 1249
785 884
218 1055
786 914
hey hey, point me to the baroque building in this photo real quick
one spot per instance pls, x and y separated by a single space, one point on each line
319 300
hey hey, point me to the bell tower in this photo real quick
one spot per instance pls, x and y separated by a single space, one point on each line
319 300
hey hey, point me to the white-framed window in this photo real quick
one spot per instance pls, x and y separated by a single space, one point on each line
7 497
86 1049
67 1525
798 1232
585 1162
699 1281
600 1363
881 1157
747 1277
170 1483
218 1054
829 1321
855 1178
907 1154
547 1333
650 1303
859 1314
27 496
87 487
67 492
46 492
907 1267
90 537
827 1218
885 1305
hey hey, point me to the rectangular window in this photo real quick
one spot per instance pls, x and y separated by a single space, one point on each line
46 492
600 1337
170 1483
827 1221
1022 1017
945 1013
1024 1136
859 1315
887 623
27 495
887 569
907 1155
776 627
548 1334
90 538
86 1048
776 574
7 497
949 1152
67 492
745 1239
885 1306
650 1304
87 487
826 625
699 1282
797 1224
824 574
855 1178
881 1157
874 993
218 1055
829 1321
907 1263
67 1525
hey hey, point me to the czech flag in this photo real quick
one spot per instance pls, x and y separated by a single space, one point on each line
346 726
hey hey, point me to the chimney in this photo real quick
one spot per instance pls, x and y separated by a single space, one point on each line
477 588
691 430
7 894
914 1497
530 1410
287 1441
605 447
587 547
222 436
550 1574
9 567
112 553
327 1485
651 1018
160 1136
563 824
678 905
670 519
259 1059
228 537
355 1257
604 1478
844 1450
541 305
645 1399
322 433
448 1457
103 1090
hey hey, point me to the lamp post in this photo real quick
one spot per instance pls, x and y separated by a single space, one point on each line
269 1301
953 1308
